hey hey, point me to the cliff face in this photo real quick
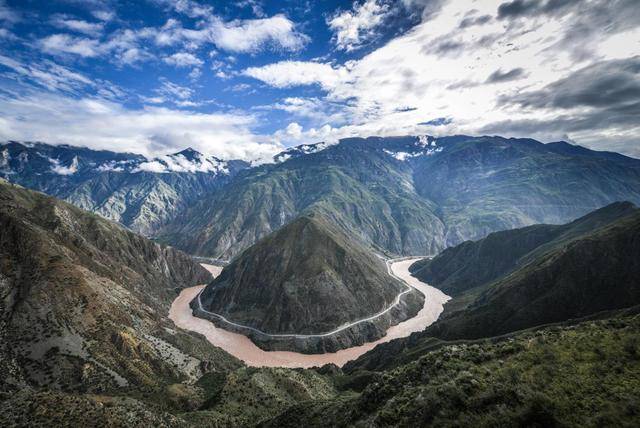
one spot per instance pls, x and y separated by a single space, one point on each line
308 278
85 302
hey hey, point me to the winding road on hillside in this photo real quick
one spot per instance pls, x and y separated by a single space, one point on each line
343 327
243 348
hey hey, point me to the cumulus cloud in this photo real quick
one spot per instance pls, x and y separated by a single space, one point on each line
508 74
128 46
286 74
353 28
183 59
103 124
254 34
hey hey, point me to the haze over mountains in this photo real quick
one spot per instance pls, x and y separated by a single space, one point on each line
142 194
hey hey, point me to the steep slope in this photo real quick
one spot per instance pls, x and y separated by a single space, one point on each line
85 303
476 263
594 272
409 195
591 274
142 194
308 278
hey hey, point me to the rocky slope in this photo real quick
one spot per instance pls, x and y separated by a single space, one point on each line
409 195
142 194
307 278
84 304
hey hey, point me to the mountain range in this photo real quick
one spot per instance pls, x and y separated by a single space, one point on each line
409 195
540 314
140 193
398 195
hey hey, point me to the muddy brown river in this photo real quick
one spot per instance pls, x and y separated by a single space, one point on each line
241 347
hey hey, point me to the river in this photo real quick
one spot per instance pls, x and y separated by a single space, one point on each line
243 348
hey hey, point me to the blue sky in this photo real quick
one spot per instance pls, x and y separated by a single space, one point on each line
245 79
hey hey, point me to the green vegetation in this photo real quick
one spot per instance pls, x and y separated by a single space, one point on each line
472 187
582 376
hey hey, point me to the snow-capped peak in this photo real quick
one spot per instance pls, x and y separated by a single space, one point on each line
187 160
60 169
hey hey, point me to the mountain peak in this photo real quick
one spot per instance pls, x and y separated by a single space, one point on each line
189 153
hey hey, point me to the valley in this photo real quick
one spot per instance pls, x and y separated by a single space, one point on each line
312 311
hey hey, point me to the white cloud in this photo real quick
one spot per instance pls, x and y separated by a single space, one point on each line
77 25
286 74
103 14
60 169
173 90
48 75
353 28
128 46
7 14
103 124
183 59
191 8
440 68
252 35
64 43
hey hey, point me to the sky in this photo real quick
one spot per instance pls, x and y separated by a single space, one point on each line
246 79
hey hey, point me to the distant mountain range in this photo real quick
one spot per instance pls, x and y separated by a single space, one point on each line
142 194
409 195
399 195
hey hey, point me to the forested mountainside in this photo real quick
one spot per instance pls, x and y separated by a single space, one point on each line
409 195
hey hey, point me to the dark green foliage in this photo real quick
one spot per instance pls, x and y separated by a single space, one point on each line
475 264
581 376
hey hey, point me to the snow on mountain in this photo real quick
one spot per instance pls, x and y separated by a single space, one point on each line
186 161
60 169
425 145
